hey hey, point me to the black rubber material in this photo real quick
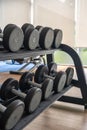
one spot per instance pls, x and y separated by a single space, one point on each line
39 28
9 111
28 100
39 74
47 87
13 38
46 38
52 68
26 27
23 81
5 33
70 74
60 78
7 26
31 39
0 30
58 35
8 84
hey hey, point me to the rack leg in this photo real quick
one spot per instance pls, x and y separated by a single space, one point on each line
50 58
79 70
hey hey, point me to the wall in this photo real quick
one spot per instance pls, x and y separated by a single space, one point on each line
81 23
14 11
55 14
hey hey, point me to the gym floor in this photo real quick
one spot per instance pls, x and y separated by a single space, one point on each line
60 116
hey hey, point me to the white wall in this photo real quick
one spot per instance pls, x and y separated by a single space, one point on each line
14 11
81 23
56 14
1 13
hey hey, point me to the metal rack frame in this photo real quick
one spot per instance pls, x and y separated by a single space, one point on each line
80 83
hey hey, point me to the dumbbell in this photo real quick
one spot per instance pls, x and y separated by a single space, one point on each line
58 35
69 72
0 38
12 38
31 36
0 30
32 99
11 114
26 26
46 37
39 28
26 83
59 80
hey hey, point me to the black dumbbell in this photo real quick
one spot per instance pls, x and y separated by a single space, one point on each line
59 80
12 37
58 35
0 38
32 99
39 28
46 37
11 115
69 72
26 83
0 30
31 36
26 26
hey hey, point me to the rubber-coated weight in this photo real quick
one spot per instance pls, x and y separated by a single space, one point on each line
31 99
46 38
58 35
13 38
0 30
38 77
7 85
26 27
12 115
52 68
31 39
24 78
7 26
70 74
46 86
59 81
39 28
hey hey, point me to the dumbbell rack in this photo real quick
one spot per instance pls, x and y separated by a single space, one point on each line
80 83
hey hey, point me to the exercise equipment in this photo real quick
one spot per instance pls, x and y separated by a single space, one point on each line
69 72
12 38
58 35
46 38
11 114
59 80
32 99
39 28
31 39
26 83
26 26
0 30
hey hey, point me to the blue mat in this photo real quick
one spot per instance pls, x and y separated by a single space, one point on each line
6 66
